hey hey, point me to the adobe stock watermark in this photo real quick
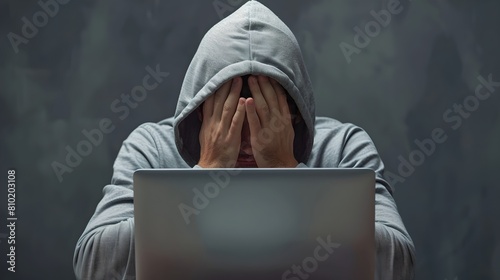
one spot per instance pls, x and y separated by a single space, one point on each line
121 106
211 190
224 8
363 37
40 19
455 117
310 264
221 179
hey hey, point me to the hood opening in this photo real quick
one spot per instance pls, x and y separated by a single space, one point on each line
250 41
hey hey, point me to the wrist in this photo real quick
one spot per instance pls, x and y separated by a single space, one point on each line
292 163
207 165
216 164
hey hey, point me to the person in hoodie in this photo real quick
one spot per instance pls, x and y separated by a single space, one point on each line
246 101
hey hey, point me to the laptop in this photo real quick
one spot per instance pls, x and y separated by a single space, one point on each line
255 223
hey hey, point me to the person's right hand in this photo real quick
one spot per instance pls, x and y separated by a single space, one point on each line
222 122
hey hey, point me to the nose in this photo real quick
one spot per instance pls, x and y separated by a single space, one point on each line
246 146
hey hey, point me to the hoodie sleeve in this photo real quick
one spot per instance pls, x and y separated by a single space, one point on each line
106 248
394 247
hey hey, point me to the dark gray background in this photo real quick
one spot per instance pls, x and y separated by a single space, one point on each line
427 59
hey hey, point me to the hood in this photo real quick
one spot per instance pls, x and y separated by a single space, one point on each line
252 40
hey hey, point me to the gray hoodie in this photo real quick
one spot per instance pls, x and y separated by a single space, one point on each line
252 40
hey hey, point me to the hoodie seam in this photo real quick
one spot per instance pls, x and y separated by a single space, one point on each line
250 37
155 141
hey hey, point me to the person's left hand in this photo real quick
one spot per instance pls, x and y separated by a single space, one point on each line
270 124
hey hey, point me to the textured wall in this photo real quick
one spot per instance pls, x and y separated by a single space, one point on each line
400 83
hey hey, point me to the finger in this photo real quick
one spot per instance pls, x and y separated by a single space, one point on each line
208 107
220 99
258 101
267 89
281 93
252 116
231 103
238 118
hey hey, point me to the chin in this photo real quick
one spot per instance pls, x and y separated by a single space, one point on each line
242 164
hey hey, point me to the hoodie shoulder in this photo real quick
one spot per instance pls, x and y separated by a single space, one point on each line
329 125
333 141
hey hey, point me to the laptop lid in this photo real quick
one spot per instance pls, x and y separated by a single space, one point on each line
304 223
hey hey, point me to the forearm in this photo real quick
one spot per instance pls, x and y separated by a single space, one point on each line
106 248
394 247
106 253
395 254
